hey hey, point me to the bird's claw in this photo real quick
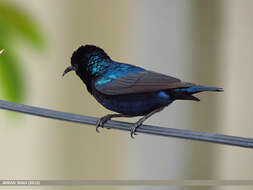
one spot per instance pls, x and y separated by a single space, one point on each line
98 124
101 122
133 129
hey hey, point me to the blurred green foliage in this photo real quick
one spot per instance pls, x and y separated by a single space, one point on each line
15 24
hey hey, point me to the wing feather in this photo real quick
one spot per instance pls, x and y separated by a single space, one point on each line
140 82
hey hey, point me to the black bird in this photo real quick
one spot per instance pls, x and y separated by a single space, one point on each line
127 89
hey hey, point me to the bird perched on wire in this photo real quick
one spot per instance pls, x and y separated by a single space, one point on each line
127 89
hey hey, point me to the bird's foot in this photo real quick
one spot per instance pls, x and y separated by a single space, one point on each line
102 121
133 129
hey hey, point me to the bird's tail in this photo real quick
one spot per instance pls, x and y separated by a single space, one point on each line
199 88
186 93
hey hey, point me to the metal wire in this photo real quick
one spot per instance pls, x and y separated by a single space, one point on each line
148 129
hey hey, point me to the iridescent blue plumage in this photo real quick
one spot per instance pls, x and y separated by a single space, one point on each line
116 70
127 89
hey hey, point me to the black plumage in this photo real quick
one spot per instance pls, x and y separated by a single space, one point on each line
127 89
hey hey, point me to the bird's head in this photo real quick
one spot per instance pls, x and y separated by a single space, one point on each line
88 61
84 58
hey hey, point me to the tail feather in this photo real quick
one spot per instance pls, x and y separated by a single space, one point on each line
186 93
198 88
185 96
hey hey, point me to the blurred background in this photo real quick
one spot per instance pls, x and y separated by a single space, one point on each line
203 41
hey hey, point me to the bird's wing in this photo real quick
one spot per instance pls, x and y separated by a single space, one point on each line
140 82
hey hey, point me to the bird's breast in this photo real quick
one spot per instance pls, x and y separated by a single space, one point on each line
133 104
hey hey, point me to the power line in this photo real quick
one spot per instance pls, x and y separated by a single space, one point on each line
148 129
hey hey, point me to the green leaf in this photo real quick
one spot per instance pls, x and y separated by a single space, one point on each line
15 24
15 20
11 78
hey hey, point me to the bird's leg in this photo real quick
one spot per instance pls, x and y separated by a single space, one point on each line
141 120
104 119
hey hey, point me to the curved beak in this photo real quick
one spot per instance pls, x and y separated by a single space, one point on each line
70 68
